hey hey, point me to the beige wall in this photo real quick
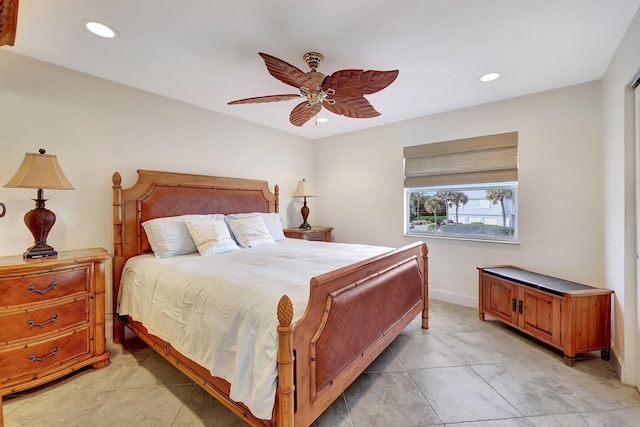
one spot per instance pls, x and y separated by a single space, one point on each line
97 127
619 196
359 183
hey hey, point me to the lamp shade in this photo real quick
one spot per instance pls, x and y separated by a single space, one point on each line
304 189
40 170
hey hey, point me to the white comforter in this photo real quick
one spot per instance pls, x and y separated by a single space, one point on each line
220 311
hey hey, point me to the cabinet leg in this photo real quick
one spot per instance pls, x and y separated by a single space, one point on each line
605 355
569 360
101 360
100 364
481 316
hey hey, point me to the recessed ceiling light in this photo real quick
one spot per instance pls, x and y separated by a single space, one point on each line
101 30
490 77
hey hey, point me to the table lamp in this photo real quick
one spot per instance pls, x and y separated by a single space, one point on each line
304 190
40 170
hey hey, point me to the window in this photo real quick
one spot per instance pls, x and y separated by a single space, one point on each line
464 189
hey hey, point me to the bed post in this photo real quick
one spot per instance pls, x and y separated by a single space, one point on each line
285 363
276 192
425 275
117 262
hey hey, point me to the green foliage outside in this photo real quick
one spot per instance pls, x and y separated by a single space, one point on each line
478 229
474 229
429 218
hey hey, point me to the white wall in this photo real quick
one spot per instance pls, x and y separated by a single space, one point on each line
619 196
97 127
359 183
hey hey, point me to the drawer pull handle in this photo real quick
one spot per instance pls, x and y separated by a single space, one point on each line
33 323
32 288
33 357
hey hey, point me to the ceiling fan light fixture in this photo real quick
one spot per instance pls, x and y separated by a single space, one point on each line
489 77
322 120
100 29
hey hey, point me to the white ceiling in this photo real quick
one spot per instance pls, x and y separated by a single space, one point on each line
205 52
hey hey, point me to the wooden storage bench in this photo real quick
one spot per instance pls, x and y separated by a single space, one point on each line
570 316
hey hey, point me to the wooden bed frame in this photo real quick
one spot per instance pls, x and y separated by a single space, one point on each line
353 313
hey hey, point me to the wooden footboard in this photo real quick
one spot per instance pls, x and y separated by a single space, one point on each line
353 315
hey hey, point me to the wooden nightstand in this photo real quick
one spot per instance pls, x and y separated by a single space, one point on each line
320 234
52 312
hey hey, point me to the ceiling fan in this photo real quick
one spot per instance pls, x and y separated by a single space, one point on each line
341 93
8 21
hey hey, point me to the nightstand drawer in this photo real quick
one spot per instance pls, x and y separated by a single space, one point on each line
31 359
28 324
317 237
19 290
317 234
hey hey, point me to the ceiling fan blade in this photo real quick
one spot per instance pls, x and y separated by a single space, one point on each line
287 73
355 83
301 113
8 21
357 108
261 99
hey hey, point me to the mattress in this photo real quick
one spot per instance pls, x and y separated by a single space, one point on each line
220 310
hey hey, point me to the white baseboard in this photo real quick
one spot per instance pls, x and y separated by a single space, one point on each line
108 326
453 298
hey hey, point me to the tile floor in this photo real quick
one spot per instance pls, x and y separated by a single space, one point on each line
460 372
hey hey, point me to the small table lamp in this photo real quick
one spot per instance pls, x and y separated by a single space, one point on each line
40 171
304 190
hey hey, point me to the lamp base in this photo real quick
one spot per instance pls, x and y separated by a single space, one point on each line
39 222
305 214
39 251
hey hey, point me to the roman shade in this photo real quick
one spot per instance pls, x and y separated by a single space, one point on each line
490 158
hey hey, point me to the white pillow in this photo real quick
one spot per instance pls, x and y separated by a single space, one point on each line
250 231
211 236
169 236
271 220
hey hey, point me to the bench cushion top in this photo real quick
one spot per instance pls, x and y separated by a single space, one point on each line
539 281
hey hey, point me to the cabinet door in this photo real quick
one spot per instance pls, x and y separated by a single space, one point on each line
499 298
539 314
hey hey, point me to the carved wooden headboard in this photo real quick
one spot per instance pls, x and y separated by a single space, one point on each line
161 194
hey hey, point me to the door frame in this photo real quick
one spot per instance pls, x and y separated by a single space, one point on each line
635 85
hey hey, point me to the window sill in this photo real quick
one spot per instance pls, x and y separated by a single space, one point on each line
467 238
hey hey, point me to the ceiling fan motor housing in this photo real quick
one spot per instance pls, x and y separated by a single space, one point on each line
313 59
